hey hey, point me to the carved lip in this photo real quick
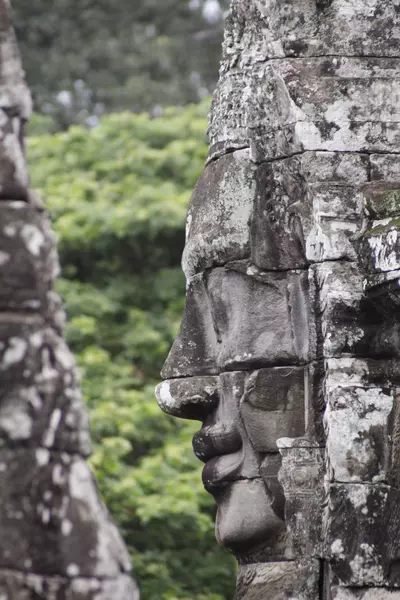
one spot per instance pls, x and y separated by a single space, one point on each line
221 449
221 470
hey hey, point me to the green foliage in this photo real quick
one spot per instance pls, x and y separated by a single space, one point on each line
118 196
84 57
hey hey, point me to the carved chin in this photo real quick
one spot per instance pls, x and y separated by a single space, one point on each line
245 518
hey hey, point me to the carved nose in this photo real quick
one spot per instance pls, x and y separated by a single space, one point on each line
192 398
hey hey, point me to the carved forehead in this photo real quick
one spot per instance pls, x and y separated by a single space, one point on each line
276 28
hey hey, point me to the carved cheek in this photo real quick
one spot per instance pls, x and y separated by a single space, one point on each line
273 406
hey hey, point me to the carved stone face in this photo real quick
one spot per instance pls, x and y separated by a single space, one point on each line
262 366
237 471
232 473
290 341
238 318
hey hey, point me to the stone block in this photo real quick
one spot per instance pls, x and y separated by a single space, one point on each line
382 199
311 210
277 238
357 110
269 470
261 318
361 420
381 248
323 28
282 402
302 479
358 317
52 519
29 586
40 401
354 89
358 425
245 113
385 167
278 581
362 534
28 258
273 406
350 372
344 323
335 168
265 315
14 178
194 351
365 593
14 93
337 222
16 107
379 286
220 212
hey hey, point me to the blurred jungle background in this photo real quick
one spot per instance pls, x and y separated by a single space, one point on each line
122 90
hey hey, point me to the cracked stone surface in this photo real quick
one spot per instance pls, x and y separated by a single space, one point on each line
57 540
289 348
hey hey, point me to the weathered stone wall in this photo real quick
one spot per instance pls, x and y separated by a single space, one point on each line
289 349
57 541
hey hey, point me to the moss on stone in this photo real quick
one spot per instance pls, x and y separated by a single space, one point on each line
383 200
383 229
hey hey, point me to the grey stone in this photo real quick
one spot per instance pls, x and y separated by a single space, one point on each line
355 110
342 322
360 552
301 319
382 199
358 425
194 351
220 317
273 406
338 222
29 586
28 259
52 519
257 529
220 213
312 210
301 477
381 248
282 402
269 470
385 167
57 539
15 109
277 238
278 581
251 335
223 442
335 168
40 402
371 593
258 30
191 398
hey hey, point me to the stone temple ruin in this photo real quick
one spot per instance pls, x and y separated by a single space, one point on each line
289 348
57 541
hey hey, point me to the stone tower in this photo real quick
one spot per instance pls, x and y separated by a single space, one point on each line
57 541
289 349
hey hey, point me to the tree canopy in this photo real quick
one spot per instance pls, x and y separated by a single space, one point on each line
118 195
86 57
